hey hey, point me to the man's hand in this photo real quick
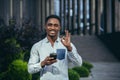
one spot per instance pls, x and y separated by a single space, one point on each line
48 61
66 40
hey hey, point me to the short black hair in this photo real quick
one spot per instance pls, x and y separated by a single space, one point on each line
52 16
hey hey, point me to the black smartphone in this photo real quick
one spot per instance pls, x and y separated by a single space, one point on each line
54 55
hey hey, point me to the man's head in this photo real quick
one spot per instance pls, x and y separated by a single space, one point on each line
52 25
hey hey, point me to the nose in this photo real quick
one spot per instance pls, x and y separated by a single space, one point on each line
52 27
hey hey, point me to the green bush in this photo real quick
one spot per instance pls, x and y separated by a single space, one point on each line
12 22
10 51
73 75
27 36
87 65
3 75
10 48
17 71
82 71
36 76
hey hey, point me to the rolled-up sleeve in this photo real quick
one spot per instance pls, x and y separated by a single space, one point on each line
74 57
34 61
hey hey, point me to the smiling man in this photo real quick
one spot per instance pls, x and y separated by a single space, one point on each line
53 67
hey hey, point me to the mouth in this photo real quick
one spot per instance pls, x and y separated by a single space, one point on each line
52 32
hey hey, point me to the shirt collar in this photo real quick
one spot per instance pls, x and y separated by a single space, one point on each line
47 41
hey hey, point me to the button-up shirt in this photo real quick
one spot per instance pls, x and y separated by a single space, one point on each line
57 70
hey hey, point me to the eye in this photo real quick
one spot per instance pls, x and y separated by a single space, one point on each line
49 24
56 25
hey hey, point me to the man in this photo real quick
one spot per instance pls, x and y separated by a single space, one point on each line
51 68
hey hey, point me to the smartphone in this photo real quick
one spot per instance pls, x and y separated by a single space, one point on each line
54 55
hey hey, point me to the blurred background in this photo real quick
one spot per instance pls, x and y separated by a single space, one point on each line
93 24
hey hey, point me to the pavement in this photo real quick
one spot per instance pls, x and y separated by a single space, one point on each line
104 71
91 49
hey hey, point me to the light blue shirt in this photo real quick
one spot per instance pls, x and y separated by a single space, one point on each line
57 70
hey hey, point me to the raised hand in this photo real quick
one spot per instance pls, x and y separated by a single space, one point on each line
66 40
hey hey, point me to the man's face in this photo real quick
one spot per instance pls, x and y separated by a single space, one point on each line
52 27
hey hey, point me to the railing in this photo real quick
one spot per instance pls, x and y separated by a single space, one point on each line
78 16
88 16
84 16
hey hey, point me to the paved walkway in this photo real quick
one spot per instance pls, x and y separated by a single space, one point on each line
106 65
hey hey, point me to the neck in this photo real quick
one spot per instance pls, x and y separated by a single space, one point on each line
52 40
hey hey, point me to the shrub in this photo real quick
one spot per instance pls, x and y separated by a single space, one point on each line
10 50
73 75
3 75
82 71
27 36
87 65
18 71
36 76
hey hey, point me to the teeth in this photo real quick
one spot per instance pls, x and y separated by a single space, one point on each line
52 31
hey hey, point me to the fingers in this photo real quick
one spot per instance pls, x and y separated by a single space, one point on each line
67 34
63 39
66 39
49 60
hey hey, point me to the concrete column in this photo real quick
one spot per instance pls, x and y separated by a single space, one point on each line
97 17
21 12
92 16
16 11
38 17
108 16
6 11
11 9
118 13
2 7
43 13
52 6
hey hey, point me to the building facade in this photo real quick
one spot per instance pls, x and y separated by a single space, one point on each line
80 15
